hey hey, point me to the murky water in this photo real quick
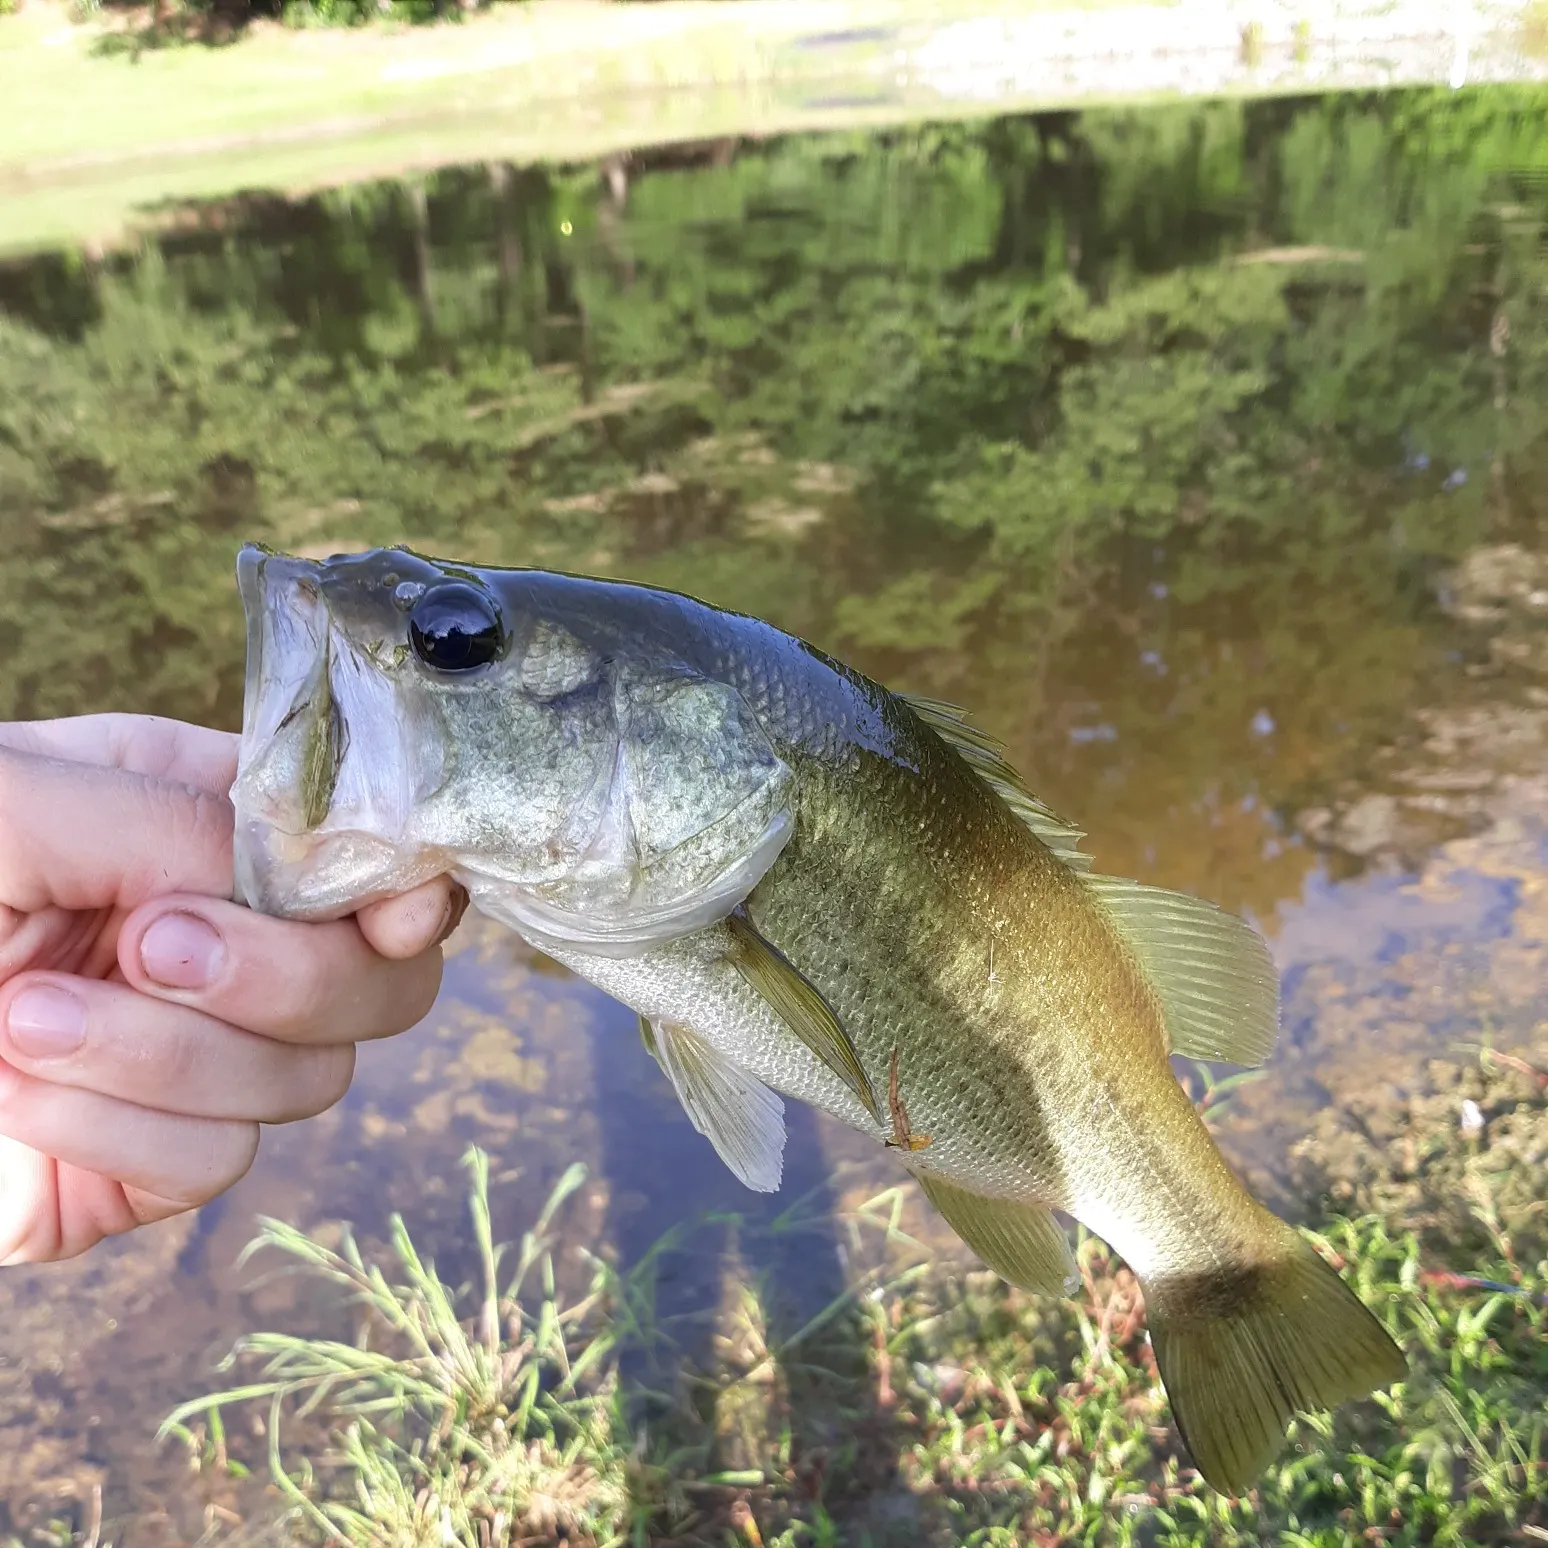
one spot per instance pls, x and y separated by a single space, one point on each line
1155 437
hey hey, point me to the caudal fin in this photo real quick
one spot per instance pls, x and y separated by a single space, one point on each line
1242 1350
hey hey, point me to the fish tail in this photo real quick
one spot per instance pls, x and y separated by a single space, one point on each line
1243 1348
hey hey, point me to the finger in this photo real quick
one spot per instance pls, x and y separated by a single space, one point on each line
72 942
299 982
81 837
138 744
108 1038
66 1210
184 1161
415 921
30 1228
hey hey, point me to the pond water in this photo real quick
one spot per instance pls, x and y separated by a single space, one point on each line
1199 451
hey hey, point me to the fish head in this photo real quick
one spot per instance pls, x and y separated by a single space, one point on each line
406 718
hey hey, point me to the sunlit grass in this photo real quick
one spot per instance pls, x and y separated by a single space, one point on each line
287 109
924 1405
482 1424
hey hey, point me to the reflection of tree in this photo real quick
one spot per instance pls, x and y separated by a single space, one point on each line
507 242
952 386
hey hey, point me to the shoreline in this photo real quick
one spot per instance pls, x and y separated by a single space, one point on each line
288 111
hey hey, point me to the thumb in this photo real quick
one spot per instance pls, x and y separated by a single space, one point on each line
77 836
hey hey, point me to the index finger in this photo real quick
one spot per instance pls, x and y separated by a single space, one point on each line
81 837
139 744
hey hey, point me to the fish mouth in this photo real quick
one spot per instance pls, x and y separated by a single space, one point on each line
327 775
288 666
293 734
251 561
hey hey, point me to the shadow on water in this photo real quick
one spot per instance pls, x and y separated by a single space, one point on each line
646 1146
1183 445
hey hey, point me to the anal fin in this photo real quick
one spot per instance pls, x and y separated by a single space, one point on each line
1020 1242
733 1110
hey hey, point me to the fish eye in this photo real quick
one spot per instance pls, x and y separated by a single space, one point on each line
455 627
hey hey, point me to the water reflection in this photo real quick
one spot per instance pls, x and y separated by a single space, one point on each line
1153 436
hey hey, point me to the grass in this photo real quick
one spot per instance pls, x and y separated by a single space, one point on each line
925 1405
112 123
292 109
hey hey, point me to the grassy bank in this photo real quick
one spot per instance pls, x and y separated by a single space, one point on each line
109 123
925 1405
290 109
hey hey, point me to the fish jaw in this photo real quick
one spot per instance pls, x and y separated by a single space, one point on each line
329 771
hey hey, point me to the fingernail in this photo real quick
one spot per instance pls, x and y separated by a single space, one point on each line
455 909
181 951
46 1023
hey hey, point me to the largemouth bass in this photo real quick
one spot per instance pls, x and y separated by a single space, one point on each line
804 884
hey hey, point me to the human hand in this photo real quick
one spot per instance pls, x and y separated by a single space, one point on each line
148 1025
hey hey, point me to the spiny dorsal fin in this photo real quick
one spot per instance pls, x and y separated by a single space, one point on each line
1020 1242
1217 983
985 756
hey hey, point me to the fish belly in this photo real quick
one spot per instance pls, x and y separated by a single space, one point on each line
690 983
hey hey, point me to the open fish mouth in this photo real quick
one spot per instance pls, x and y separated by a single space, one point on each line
289 680
629 806
318 831
293 733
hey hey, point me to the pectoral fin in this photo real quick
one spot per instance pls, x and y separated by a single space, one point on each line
1020 1242
800 1007
733 1110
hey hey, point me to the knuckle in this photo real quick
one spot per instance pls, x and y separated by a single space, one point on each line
216 1154
12 1082
340 1075
34 1238
333 1078
178 1058
204 820
31 1227
14 798
404 996
281 977
307 995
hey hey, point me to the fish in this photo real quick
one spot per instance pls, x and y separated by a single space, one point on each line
807 887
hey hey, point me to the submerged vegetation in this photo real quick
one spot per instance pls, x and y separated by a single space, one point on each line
928 1404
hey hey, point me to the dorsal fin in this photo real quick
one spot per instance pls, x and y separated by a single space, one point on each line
1217 983
985 757
1218 986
